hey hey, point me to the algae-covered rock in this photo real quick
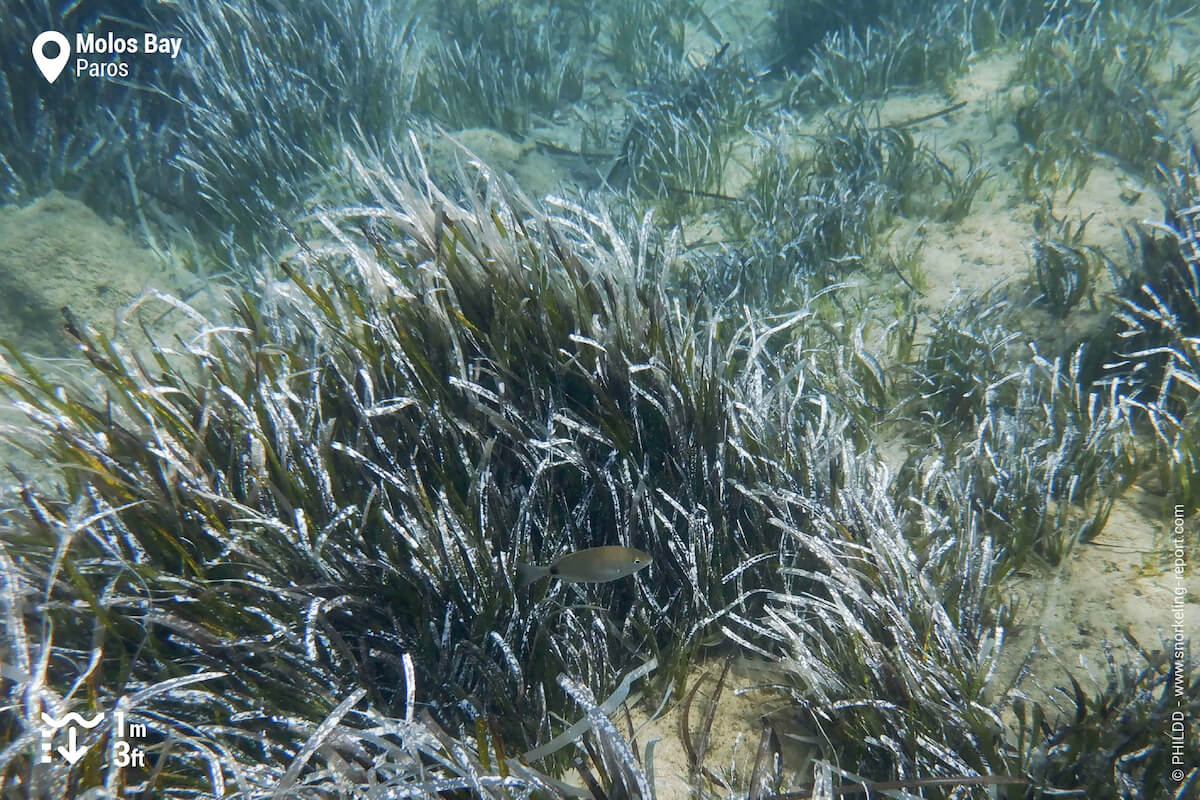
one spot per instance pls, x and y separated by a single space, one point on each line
57 252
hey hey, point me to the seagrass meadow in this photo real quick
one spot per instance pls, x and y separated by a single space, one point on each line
876 326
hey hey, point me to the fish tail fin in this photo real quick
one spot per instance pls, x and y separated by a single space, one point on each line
528 573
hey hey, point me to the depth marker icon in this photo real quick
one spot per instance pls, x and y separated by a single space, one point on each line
51 67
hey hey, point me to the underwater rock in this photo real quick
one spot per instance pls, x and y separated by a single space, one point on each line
535 172
57 252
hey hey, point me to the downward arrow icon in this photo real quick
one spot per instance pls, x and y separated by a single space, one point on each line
72 753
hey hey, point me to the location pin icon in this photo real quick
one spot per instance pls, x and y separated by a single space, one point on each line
51 68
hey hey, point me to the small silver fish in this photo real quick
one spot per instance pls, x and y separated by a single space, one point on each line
593 565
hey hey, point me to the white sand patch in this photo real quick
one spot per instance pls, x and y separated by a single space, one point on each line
727 754
1118 586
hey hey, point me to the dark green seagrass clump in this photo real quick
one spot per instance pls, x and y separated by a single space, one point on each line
681 129
1064 268
500 64
1092 87
263 123
81 135
822 205
1148 351
860 62
1018 441
801 26
324 502
646 37
967 355
1122 740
